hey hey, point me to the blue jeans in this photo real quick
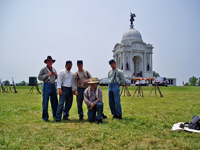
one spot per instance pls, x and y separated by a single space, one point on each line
79 100
92 113
49 90
66 98
114 99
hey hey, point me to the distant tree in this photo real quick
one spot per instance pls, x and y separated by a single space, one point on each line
6 82
23 83
187 84
193 81
155 74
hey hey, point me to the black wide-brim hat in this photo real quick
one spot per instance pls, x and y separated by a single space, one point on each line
49 58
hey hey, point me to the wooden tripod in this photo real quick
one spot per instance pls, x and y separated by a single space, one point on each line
140 91
155 90
125 89
36 85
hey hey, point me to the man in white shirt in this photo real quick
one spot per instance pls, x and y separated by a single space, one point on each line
64 85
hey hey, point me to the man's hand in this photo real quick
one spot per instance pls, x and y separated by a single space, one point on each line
86 81
55 74
92 105
76 93
49 74
60 92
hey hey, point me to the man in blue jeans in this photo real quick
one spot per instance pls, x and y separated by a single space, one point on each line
93 99
115 79
64 85
48 75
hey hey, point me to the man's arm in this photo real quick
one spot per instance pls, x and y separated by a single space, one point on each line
55 73
122 78
89 75
86 98
75 82
100 95
59 79
42 75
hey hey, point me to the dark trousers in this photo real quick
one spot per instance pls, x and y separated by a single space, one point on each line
114 99
79 100
98 108
65 103
49 90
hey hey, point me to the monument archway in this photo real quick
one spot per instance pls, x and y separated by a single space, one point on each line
137 64
118 62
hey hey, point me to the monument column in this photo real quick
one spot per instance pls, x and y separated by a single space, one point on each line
145 62
115 58
121 61
151 62
131 61
124 61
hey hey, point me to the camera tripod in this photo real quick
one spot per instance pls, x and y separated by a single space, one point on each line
140 91
125 89
156 86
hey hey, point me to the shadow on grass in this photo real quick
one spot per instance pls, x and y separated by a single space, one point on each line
125 120
76 121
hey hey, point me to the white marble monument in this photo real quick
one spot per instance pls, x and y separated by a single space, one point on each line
132 55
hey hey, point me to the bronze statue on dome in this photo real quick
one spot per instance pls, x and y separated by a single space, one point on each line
132 18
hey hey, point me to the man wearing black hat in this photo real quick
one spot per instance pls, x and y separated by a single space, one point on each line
64 85
80 80
48 75
115 79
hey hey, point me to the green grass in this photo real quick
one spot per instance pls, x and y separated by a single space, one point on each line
146 123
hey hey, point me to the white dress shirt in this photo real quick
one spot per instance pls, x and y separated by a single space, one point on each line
68 78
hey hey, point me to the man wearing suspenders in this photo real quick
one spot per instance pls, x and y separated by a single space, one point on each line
48 75
115 79
93 99
64 85
80 80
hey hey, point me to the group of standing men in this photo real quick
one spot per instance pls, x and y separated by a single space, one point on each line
78 84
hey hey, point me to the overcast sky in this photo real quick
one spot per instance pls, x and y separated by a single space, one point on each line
89 29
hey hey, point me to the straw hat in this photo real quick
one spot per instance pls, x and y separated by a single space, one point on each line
93 80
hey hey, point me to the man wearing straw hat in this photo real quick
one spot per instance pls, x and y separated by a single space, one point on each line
93 99
48 75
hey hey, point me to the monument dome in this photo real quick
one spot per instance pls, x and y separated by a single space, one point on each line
133 56
132 35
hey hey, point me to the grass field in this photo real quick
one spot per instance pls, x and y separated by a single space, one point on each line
146 123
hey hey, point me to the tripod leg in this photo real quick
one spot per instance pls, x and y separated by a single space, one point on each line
142 92
135 91
160 92
38 89
138 91
121 91
30 89
124 89
151 91
128 93
11 89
